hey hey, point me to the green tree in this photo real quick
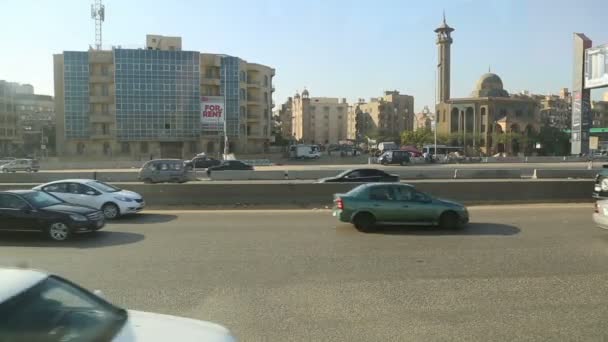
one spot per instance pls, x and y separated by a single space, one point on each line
417 138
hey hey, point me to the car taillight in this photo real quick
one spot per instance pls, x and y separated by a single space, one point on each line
340 203
596 208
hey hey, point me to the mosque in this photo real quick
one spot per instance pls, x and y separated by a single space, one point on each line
489 121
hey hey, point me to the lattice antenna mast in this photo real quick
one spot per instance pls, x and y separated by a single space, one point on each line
98 13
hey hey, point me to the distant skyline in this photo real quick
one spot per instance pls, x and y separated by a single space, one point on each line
350 49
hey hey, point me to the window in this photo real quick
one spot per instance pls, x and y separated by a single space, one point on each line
404 193
125 147
12 202
104 70
104 90
105 129
105 108
59 187
381 193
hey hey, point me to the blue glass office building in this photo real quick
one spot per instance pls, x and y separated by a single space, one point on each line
157 95
76 93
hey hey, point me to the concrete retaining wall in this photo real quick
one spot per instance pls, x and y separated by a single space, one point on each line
560 173
226 194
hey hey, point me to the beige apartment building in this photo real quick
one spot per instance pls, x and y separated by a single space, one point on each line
424 119
146 103
11 140
388 115
319 120
285 115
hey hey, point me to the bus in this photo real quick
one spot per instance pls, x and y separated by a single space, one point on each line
442 150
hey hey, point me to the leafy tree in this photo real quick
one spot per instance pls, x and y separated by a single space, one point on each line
417 138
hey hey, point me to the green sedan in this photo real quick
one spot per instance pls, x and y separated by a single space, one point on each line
369 205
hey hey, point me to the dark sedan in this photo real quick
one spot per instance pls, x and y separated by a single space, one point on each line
235 165
39 211
202 162
361 176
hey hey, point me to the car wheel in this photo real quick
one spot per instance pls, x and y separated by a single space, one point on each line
449 220
110 211
28 170
58 231
148 181
364 222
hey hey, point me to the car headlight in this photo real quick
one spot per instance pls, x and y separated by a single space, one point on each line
78 217
604 184
123 199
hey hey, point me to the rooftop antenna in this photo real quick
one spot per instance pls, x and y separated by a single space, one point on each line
98 13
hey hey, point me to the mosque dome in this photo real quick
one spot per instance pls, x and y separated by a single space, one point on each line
489 85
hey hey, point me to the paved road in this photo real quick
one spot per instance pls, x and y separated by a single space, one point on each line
516 273
527 166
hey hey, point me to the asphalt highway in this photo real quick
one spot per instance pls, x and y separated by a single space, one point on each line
535 272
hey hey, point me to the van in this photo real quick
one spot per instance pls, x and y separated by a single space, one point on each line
395 157
164 170
27 165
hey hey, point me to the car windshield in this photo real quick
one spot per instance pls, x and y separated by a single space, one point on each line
54 310
41 199
104 187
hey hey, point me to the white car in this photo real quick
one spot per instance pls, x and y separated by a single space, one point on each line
36 306
600 216
112 201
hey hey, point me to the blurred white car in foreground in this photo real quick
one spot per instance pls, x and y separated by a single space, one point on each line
600 216
112 201
36 306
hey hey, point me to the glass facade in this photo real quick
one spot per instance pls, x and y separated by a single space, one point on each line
157 95
229 87
76 92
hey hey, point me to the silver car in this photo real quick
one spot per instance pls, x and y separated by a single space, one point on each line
600 216
164 170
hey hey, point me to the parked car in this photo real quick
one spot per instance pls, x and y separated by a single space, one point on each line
164 170
27 165
37 306
370 205
39 211
600 214
395 157
229 165
112 201
202 162
361 176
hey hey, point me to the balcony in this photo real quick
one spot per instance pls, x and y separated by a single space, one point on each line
105 57
210 81
254 84
101 99
101 118
101 79
101 136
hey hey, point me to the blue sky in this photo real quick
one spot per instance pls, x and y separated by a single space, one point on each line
335 48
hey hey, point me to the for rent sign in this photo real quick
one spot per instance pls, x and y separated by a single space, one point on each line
212 113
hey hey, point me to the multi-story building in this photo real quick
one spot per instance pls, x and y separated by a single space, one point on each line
285 117
143 103
599 112
10 137
319 120
555 110
37 123
387 116
424 119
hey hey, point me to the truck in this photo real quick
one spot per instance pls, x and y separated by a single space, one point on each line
304 152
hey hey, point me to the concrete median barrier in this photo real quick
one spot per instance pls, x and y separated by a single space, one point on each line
306 195
487 174
406 173
248 175
561 173
312 174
